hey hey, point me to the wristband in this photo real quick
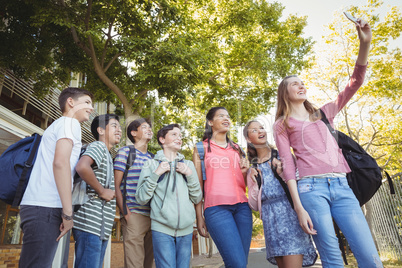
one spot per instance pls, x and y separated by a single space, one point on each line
66 217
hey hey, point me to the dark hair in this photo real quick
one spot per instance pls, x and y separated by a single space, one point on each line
208 130
101 121
163 131
133 126
71 92
251 150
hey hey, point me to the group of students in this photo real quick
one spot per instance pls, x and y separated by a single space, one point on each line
163 195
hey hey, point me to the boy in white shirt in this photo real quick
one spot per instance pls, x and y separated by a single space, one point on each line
46 210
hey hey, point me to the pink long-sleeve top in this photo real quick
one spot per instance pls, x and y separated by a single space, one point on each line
225 182
314 147
254 194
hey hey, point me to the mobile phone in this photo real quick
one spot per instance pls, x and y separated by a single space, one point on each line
350 17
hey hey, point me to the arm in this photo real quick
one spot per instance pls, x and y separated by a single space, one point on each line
332 109
304 218
288 167
119 167
253 191
84 169
62 177
202 228
289 171
118 177
365 35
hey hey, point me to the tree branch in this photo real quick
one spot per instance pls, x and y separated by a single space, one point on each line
109 37
74 33
111 61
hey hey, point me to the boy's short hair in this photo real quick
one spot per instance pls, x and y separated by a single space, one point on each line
163 131
133 126
101 121
74 93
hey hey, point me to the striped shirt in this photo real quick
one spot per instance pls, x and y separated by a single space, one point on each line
133 176
91 214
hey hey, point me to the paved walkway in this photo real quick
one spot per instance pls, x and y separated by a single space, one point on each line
256 259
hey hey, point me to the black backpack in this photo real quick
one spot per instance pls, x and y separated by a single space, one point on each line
365 177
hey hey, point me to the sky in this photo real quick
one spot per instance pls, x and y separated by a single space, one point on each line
319 14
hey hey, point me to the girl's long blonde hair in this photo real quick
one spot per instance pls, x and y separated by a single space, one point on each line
284 108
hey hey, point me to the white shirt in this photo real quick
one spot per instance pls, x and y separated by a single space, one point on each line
42 189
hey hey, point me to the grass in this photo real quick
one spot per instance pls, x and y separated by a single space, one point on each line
387 263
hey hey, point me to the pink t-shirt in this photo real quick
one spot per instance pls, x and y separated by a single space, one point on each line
313 145
225 182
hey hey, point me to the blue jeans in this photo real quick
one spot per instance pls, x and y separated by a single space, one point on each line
170 251
89 249
41 227
331 197
230 226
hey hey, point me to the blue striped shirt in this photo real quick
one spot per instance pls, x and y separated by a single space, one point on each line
132 177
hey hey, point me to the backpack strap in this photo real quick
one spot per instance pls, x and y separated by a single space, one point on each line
130 161
201 154
331 129
274 154
28 165
163 175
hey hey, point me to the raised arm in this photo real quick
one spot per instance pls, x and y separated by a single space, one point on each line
365 35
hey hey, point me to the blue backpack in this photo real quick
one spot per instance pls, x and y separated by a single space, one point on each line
16 166
201 154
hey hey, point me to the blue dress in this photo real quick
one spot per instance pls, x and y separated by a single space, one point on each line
283 234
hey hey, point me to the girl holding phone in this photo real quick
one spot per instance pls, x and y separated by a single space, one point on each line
322 194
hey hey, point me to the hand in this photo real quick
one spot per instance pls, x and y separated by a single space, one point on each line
364 31
244 165
127 216
305 222
107 194
162 168
278 164
65 226
183 169
202 228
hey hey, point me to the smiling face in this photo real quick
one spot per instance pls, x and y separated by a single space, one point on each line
81 107
220 121
172 140
296 90
113 132
256 134
143 132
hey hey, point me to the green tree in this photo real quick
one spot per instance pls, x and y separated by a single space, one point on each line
136 54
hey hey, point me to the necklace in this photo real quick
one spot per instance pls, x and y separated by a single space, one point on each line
224 145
